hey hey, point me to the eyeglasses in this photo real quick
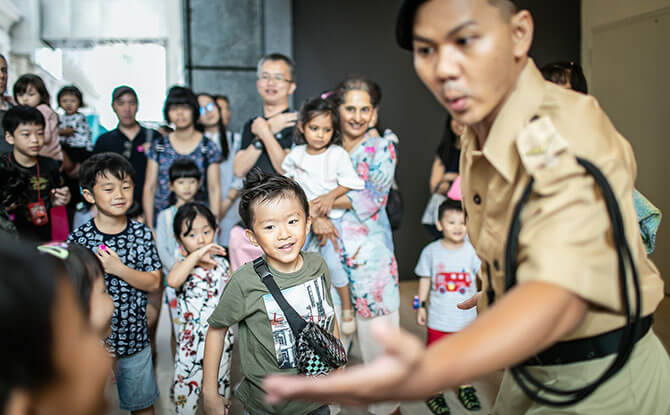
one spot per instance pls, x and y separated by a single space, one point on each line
207 108
276 77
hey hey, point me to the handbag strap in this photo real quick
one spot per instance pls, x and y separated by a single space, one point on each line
296 322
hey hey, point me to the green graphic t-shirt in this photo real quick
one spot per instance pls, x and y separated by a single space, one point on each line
266 343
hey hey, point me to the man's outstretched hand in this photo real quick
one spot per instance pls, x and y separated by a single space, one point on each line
384 379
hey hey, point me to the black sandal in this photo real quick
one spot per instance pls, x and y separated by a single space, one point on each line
468 397
438 405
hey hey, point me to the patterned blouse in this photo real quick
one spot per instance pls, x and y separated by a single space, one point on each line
367 250
162 152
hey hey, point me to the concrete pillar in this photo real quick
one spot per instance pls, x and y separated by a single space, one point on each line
223 42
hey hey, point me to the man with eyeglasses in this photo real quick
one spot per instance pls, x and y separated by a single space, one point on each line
267 139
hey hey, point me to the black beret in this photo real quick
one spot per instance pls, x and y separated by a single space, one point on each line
405 22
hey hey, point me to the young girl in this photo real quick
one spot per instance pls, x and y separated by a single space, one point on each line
324 171
184 184
30 90
199 281
87 277
73 129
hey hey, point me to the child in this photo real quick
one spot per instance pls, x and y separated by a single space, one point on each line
447 268
30 90
53 362
274 210
24 129
87 277
184 184
132 267
73 129
199 280
324 171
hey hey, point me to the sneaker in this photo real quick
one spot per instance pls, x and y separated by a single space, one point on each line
468 397
438 405
348 322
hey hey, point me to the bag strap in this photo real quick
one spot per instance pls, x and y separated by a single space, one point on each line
296 322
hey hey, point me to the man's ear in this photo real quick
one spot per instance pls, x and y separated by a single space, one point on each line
251 236
88 196
9 138
291 89
522 33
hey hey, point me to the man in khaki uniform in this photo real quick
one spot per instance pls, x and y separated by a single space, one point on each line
472 54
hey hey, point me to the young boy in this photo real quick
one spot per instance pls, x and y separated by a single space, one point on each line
447 268
24 129
132 268
274 210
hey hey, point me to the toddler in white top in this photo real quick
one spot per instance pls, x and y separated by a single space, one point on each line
325 172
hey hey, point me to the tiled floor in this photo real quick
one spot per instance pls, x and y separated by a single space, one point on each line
486 387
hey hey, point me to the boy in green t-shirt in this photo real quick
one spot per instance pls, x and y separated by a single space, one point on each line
274 211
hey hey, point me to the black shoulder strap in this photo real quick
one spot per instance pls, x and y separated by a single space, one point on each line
296 322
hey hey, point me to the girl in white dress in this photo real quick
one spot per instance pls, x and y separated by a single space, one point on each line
199 281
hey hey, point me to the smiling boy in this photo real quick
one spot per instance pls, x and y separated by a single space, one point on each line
132 267
274 210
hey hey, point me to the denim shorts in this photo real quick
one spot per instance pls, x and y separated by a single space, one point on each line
136 381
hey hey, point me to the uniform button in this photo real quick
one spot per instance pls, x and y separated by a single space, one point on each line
496 265
477 199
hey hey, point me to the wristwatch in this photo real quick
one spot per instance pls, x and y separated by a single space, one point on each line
257 143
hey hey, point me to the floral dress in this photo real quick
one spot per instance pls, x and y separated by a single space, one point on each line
196 300
367 244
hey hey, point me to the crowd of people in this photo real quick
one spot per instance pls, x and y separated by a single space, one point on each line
170 215
239 233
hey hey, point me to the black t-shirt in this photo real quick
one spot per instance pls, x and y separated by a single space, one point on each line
40 186
116 142
284 137
136 249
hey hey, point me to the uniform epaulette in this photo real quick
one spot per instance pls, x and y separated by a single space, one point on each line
539 144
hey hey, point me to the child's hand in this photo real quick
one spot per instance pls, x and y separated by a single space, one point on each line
111 262
205 253
215 405
323 204
66 132
60 196
421 316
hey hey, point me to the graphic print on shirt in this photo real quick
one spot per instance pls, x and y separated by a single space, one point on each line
446 281
309 300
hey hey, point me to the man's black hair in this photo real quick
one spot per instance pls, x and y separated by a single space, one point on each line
260 187
28 291
122 90
70 90
448 205
21 86
184 168
21 114
186 214
274 57
404 29
180 95
102 164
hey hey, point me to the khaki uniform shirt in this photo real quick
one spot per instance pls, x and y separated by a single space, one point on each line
565 236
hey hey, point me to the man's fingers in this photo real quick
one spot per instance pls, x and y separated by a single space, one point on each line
471 302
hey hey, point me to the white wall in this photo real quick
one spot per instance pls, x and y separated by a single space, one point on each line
599 12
